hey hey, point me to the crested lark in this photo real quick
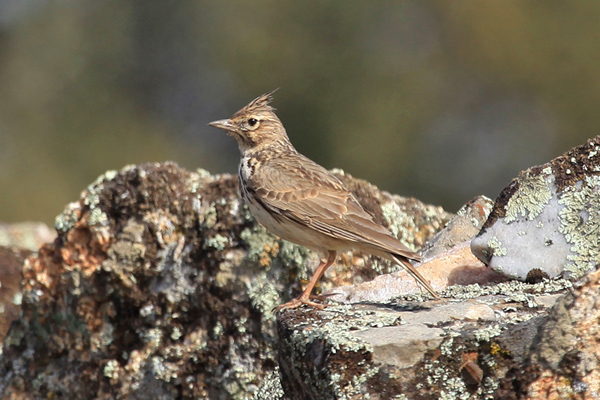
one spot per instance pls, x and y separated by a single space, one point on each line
300 201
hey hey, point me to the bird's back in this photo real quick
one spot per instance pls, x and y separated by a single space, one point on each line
290 185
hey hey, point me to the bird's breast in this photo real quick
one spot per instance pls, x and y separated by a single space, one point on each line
247 167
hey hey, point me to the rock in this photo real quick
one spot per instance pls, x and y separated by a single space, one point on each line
462 228
457 266
11 263
564 360
17 242
546 222
26 235
447 261
410 349
161 285
270 388
401 346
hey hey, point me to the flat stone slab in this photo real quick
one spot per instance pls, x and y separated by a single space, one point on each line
455 347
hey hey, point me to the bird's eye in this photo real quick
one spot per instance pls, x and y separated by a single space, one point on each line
252 121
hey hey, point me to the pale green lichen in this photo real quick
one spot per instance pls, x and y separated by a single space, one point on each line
66 220
357 320
336 335
491 384
197 181
292 254
400 223
197 340
580 224
348 389
217 330
256 239
495 248
511 288
111 369
270 388
210 216
176 333
164 370
276 256
264 296
454 389
203 174
98 217
241 378
487 333
153 338
446 346
102 339
217 242
488 361
529 200
384 267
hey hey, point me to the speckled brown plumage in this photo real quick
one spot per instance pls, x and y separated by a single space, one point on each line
300 201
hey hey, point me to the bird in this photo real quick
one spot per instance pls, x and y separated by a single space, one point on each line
300 201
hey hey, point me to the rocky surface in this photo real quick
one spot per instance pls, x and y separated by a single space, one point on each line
11 264
161 285
467 223
459 347
548 219
457 266
501 340
17 243
447 261
564 359
26 235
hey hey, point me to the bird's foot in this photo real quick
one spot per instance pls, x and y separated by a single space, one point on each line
299 301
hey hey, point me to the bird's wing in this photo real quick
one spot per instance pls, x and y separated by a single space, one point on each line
306 193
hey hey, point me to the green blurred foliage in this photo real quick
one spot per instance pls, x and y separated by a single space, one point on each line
439 100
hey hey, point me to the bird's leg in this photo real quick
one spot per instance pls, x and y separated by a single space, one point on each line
305 296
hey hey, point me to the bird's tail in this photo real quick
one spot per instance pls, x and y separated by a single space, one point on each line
413 271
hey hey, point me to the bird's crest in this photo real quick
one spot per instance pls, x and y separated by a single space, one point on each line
261 102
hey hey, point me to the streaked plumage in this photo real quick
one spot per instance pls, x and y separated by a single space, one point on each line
300 201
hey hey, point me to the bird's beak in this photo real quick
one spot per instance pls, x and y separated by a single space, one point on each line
226 124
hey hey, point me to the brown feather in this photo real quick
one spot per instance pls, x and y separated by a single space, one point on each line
300 200
330 208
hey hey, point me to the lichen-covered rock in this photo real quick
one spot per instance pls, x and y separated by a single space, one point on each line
548 219
457 266
11 263
467 223
564 361
270 388
447 261
410 349
161 285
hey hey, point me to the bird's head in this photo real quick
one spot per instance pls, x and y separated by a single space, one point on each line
255 125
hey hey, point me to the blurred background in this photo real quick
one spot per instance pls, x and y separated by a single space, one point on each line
439 100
